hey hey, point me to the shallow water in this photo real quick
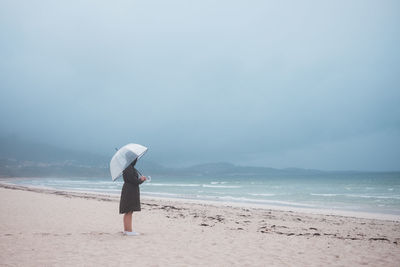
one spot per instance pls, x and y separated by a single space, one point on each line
372 192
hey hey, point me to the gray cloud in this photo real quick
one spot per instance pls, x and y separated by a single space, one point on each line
274 83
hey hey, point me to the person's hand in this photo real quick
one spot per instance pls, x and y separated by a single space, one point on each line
143 178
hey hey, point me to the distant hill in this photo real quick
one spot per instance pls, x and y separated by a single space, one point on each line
14 147
24 158
21 158
227 170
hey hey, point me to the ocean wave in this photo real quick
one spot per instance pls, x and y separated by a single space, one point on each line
74 182
356 196
264 201
99 190
180 185
325 195
377 197
162 194
221 186
263 195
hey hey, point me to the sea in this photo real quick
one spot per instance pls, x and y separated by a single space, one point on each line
357 192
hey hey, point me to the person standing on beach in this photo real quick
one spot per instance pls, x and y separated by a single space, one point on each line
130 196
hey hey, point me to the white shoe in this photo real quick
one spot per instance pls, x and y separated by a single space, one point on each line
130 233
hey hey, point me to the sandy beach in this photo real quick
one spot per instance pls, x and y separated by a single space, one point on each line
43 227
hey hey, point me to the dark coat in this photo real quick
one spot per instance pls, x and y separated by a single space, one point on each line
130 194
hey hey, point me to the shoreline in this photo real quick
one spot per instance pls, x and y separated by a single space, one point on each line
311 211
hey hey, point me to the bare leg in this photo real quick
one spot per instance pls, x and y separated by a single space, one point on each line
128 222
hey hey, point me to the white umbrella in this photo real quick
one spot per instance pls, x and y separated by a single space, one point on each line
125 156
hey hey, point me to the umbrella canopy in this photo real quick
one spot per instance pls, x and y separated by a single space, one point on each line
125 156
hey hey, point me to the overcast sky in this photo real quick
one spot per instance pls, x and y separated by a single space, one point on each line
311 84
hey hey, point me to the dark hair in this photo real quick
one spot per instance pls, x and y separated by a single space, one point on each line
134 162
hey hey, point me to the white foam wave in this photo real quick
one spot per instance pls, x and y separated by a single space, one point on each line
324 195
377 197
221 186
263 195
180 185
356 196
93 189
264 201
162 194
73 182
